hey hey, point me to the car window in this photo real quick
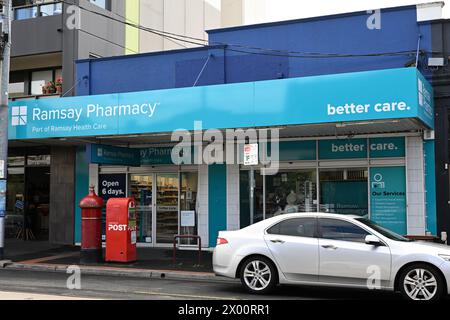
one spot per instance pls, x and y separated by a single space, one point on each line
335 229
297 227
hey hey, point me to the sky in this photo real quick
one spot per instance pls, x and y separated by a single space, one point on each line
294 9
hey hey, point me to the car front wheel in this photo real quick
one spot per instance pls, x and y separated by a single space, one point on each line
259 275
421 282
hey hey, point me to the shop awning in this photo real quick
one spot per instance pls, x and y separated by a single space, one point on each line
390 100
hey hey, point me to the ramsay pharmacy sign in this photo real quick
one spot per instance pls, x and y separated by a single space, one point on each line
362 96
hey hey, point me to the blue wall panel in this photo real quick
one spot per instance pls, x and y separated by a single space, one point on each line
150 71
217 201
340 34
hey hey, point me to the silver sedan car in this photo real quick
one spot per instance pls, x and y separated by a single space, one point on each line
332 250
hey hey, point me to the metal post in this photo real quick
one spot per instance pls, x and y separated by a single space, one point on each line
4 119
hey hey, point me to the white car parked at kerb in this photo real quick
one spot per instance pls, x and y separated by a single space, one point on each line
331 250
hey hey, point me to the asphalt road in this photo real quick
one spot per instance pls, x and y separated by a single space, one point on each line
105 287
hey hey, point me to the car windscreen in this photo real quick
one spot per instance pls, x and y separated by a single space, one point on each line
385 232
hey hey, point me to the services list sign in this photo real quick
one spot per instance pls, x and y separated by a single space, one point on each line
388 198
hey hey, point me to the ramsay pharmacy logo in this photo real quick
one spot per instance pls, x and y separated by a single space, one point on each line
19 116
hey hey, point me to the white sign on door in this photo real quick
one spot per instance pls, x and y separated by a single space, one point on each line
187 219
251 154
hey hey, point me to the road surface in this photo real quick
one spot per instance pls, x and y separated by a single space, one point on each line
48 285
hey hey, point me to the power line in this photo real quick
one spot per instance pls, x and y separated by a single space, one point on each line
265 51
104 39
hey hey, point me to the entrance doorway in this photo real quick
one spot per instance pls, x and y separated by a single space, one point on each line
28 194
160 198
167 189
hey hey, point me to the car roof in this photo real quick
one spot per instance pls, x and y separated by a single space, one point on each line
320 215
273 220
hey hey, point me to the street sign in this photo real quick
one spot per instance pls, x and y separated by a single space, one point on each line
2 169
251 154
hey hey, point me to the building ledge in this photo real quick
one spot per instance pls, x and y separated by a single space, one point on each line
35 97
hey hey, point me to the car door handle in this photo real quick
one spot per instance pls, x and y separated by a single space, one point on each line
277 241
329 246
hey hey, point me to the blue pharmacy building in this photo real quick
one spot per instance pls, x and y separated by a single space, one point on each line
351 101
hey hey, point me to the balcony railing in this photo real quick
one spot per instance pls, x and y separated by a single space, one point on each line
37 10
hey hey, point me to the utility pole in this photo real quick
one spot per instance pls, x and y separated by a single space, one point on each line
5 39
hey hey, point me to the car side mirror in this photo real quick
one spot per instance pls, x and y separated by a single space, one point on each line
373 240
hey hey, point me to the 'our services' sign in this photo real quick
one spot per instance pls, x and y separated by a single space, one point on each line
388 198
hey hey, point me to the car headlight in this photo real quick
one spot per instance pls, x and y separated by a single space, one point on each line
445 256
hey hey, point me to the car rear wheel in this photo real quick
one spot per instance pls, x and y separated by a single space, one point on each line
259 275
421 282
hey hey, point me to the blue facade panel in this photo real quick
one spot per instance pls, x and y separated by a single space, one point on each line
235 59
340 34
150 71
217 201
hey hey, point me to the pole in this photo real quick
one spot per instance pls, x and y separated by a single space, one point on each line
4 119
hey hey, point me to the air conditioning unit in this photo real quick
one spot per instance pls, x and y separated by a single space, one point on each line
428 135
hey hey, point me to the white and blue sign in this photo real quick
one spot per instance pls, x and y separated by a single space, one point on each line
2 198
343 149
392 147
156 155
361 96
387 147
104 154
388 198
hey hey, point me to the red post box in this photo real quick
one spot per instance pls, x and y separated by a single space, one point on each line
121 230
91 227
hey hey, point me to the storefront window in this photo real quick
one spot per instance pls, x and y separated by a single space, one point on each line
290 192
251 197
344 191
15 198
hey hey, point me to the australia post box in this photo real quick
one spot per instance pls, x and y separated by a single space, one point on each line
120 230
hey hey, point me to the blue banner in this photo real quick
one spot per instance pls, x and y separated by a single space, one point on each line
104 154
361 96
387 147
156 155
388 198
343 149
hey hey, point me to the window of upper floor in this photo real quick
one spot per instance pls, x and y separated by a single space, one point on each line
29 9
33 82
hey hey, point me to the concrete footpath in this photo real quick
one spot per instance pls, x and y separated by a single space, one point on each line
13 296
152 263
114 271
